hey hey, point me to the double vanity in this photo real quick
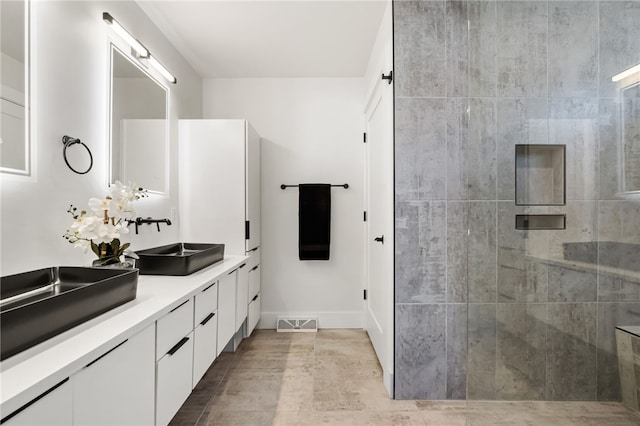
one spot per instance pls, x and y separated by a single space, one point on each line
138 362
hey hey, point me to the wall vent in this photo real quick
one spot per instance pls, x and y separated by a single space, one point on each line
296 325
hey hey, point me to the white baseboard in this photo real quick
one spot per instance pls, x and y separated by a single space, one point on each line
349 319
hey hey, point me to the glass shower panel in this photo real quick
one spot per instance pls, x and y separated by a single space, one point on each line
542 304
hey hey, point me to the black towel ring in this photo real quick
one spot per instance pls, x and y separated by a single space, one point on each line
68 141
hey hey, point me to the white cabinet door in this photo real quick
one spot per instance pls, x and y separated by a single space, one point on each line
254 314
117 388
242 295
174 377
53 407
226 309
204 346
212 171
253 187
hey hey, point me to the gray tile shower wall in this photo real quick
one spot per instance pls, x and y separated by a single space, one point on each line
485 311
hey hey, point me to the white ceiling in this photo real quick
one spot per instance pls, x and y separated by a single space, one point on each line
243 39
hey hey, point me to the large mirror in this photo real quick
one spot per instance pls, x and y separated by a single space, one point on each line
630 137
14 87
139 126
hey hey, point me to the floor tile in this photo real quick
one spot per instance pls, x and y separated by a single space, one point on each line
345 368
333 378
350 348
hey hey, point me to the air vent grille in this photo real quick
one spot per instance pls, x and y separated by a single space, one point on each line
296 325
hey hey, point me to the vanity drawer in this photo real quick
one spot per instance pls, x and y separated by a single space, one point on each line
174 326
205 338
254 258
173 380
254 282
205 302
254 314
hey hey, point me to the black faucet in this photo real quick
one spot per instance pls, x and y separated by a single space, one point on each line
140 221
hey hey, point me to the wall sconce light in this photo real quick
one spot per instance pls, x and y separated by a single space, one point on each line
626 73
139 50
119 29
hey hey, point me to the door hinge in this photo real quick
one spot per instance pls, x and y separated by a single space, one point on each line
365 216
247 230
364 137
365 294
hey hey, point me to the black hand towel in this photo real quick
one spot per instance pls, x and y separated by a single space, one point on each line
314 221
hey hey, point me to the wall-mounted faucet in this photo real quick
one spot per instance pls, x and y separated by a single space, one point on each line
140 221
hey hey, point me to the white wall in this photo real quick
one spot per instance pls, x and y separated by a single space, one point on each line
311 131
70 63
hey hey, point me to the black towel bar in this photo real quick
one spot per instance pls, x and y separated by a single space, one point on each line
344 185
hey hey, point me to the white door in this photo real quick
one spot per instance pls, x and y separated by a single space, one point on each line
379 226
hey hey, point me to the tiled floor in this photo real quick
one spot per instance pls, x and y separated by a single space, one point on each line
333 378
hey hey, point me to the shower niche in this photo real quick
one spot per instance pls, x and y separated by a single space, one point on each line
540 175
540 181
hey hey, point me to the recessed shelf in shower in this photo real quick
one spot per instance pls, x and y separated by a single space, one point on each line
531 222
540 175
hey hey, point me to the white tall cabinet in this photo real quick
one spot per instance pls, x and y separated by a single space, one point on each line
219 175
219 198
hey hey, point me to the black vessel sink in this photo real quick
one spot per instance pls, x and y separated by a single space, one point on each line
178 258
37 305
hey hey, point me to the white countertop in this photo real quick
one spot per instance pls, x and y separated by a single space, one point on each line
29 373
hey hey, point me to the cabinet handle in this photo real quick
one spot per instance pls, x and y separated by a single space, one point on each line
254 268
208 287
232 272
206 320
242 266
179 306
33 401
177 346
254 298
253 249
106 353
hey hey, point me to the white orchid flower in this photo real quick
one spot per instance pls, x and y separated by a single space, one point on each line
125 193
118 192
84 224
83 244
105 233
122 229
118 210
97 204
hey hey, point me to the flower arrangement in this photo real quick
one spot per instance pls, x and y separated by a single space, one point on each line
102 227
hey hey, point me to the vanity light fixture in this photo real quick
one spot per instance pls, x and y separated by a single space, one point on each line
119 29
161 69
627 73
151 60
138 50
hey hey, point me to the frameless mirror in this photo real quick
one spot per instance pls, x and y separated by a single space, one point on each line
14 87
630 138
139 143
